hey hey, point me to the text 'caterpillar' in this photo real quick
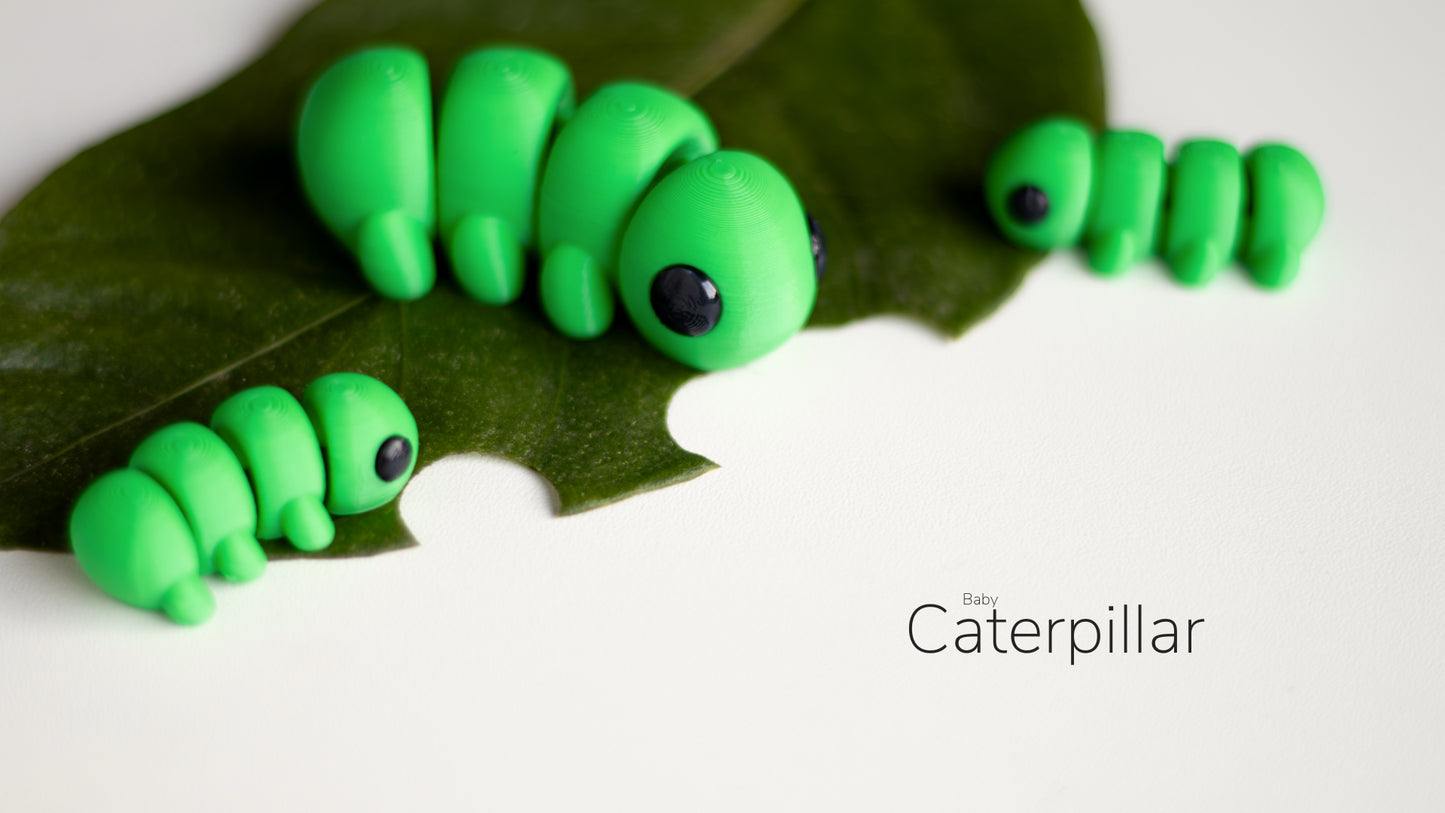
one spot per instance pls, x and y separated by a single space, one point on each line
1055 184
195 500
711 251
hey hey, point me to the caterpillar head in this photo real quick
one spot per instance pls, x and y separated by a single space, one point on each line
1038 183
369 436
720 264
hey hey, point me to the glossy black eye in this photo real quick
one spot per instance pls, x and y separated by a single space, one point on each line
820 246
686 300
392 458
1028 204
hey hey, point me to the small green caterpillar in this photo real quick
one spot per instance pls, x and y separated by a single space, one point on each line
710 250
1055 184
195 500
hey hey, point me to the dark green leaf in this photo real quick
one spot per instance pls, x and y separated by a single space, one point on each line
176 263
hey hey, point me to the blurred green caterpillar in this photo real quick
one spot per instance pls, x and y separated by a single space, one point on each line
195 500
1055 183
711 251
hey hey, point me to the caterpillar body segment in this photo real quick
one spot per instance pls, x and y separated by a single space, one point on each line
1288 205
271 436
203 476
500 110
1128 196
185 507
622 140
131 539
1206 183
1054 184
507 185
364 146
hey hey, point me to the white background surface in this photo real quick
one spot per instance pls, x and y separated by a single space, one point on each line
1271 463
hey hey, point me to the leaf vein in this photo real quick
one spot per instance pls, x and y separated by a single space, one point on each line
200 382
730 49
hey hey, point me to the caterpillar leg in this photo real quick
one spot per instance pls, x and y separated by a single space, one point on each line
131 539
1129 174
396 255
497 119
189 602
575 294
364 145
1207 199
1287 205
306 524
239 558
488 258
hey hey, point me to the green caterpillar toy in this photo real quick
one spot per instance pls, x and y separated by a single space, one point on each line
711 251
194 501
1055 184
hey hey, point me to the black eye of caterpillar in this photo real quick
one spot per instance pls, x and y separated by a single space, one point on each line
820 246
1028 204
686 300
392 458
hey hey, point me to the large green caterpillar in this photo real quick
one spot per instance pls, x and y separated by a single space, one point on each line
195 500
711 251
1055 184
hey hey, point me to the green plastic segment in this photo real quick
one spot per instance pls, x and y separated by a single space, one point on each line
1288 203
619 143
354 415
1206 195
270 434
1055 155
1123 222
203 476
735 217
364 145
131 539
497 118
576 293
